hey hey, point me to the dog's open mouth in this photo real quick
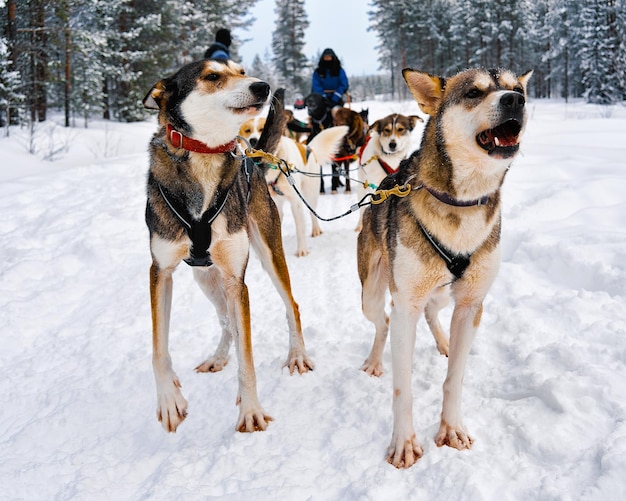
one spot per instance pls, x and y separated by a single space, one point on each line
253 108
501 141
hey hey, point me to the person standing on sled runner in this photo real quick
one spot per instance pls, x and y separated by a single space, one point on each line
329 80
220 49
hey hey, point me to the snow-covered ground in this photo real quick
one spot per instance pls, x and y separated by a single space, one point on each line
545 388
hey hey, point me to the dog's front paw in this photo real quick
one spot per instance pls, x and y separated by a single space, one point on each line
302 252
213 364
455 437
171 406
298 359
404 453
373 367
252 419
316 232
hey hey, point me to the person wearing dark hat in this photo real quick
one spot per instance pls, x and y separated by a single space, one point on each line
220 48
329 78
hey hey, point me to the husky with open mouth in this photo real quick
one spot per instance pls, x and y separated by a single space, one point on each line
442 239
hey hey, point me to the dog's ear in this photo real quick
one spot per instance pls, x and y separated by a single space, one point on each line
414 119
376 126
525 77
274 123
426 89
155 97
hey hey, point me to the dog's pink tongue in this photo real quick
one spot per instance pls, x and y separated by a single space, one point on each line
506 140
497 137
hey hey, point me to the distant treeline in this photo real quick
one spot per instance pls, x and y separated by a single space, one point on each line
99 57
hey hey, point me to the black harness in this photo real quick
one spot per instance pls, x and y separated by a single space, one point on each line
456 263
199 231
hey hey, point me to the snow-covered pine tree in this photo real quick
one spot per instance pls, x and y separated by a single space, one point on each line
599 52
10 87
289 60
262 69
389 22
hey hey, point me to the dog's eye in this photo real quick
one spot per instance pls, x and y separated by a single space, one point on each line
212 77
519 89
473 93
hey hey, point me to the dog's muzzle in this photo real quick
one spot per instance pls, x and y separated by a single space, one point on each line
503 140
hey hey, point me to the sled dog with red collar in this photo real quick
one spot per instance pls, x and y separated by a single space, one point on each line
206 205
388 143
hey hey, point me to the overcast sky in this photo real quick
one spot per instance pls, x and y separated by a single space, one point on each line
338 24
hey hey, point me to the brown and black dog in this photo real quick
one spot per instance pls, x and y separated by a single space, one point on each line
442 238
388 142
207 206
357 131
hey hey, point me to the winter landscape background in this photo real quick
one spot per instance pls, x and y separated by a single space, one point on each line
545 388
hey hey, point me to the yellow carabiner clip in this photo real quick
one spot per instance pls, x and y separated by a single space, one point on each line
397 190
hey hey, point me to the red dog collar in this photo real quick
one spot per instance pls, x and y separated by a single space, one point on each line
179 140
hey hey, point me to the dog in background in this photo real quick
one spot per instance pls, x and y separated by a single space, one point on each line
353 140
388 143
296 129
207 206
320 151
442 238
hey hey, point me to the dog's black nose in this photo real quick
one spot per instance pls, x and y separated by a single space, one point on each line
260 89
512 100
392 145
253 141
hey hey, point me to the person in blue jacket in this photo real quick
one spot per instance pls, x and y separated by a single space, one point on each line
220 49
329 78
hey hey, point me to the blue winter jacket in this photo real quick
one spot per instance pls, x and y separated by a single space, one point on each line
217 51
332 87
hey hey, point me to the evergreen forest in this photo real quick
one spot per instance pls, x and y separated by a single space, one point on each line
96 58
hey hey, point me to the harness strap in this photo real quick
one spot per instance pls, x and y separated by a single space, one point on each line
456 263
389 170
199 231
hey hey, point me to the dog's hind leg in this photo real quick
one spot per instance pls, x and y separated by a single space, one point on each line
266 241
310 192
335 182
171 405
207 281
297 210
435 304
346 167
374 287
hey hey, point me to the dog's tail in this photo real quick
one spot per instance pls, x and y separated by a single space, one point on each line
324 146
274 124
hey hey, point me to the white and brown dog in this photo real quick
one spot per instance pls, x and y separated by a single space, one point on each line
388 142
442 238
207 206
305 161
